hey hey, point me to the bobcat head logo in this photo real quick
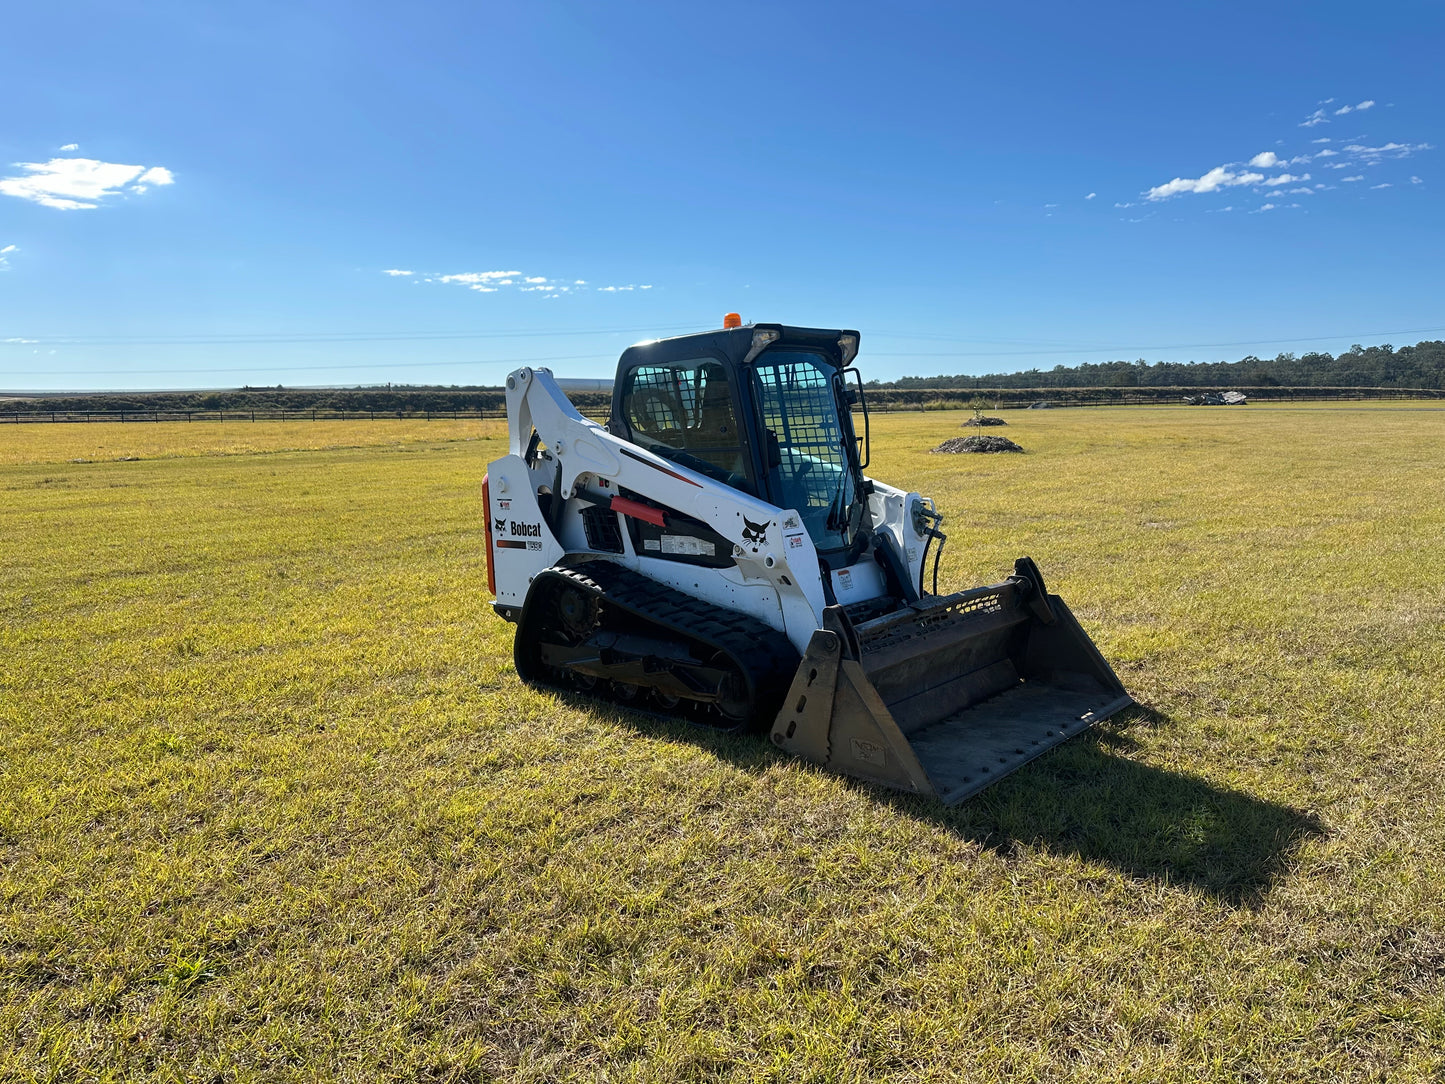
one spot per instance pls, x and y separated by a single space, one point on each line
501 525
756 533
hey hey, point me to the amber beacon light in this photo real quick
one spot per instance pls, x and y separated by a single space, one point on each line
732 319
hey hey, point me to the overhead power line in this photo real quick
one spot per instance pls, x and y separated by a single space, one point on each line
359 337
473 363
1156 346
278 338
283 339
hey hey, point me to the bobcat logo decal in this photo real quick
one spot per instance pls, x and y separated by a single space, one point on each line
755 533
501 527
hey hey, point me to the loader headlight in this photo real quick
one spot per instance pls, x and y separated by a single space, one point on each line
848 344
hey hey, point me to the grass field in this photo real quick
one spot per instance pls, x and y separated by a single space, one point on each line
273 805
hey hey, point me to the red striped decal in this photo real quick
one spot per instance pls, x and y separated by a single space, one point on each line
654 466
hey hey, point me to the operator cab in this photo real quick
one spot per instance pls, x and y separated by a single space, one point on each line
763 408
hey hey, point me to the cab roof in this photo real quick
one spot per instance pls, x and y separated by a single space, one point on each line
733 344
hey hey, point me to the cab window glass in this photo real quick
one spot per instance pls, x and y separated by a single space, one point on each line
811 471
684 410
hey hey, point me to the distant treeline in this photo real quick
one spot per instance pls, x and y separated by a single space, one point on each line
406 401
1418 366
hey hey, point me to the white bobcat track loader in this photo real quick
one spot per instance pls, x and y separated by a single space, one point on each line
716 553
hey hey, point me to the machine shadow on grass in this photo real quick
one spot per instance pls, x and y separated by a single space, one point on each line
1082 798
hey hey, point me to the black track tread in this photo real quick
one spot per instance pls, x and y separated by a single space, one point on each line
764 655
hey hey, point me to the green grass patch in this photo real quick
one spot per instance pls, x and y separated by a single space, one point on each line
273 805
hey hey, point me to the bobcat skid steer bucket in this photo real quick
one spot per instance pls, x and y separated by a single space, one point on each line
950 694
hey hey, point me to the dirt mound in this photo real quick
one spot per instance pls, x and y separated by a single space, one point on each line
985 420
978 444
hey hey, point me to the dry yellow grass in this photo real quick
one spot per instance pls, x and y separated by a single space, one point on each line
273 805
81 442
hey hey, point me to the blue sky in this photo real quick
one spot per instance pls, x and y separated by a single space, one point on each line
202 195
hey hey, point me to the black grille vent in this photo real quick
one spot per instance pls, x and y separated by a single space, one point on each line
600 525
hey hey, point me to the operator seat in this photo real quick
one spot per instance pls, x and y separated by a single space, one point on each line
717 437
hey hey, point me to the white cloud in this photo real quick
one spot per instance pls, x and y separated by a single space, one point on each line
1217 178
1317 117
476 278
1327 153
1388 150
1342 110
154 175
1368 103
1300 192
1264 159
1347 180
1091 195
1048 205
1387 184
1262 208
71 147
1324 139
74 184
26 342
1285 178
491 282
1413 180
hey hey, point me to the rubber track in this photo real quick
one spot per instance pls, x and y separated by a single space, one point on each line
766 657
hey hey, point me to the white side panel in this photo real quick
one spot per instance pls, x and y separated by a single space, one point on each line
858 583
522 546
891 509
